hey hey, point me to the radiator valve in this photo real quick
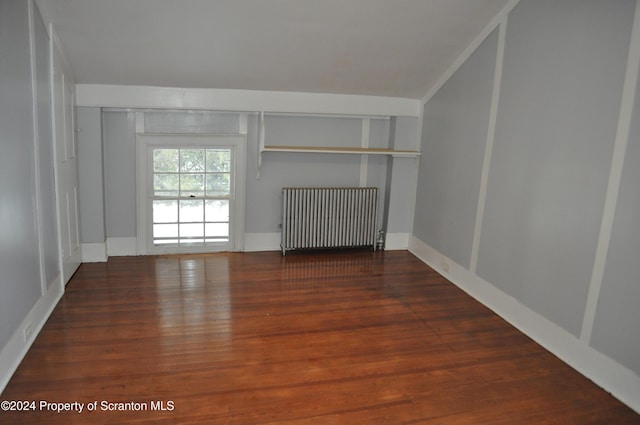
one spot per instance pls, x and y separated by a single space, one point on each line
380 241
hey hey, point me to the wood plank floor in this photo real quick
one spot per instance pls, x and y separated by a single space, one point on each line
256 338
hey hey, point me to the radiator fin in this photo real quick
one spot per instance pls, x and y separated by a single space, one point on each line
340 217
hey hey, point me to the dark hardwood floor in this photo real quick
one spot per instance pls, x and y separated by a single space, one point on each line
324 338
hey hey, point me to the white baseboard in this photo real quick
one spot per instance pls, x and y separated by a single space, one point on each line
271 241
621 382
252 242
121 246
16 348
97 252
94 252
261 242
113 247
396 241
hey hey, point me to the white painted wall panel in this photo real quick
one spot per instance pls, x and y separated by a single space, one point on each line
278 169
454 135
90 175
562 80
190 122
615 331
403 177
119 144
118 96
264 196
288 130
19 256
47 201
377 165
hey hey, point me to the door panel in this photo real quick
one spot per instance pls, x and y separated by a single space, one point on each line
66 167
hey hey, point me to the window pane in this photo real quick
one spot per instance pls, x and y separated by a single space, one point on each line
217 232
217 210
192 232
165 211
218 160
165 160
218 184
165 234
166 184
192 188
192 184
191 211
191 160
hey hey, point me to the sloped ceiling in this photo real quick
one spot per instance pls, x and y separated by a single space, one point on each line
397 48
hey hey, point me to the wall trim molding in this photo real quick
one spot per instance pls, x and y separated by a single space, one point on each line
621 382
271 242
118 96
94 252
254 242
397 241
18 345
126 246
488 148
121 246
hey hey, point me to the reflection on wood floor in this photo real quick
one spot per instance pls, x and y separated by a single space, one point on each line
347 337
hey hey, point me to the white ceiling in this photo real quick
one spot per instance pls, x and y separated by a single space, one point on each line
396 48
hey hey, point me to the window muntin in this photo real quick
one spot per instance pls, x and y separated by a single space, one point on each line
192 189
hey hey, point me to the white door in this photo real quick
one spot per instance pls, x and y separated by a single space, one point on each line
66 170
191 193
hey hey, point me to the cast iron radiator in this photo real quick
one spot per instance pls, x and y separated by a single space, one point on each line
329 217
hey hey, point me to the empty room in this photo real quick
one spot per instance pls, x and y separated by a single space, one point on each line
319 211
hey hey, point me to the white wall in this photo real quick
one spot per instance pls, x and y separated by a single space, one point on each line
540 223
454 131
537 120
113 137
29 258
91 175
616 313
119 159
18 238
48 228
172 98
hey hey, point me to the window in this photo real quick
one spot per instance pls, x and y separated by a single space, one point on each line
191 193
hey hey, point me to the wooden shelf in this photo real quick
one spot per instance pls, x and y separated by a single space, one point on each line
341 150
262 148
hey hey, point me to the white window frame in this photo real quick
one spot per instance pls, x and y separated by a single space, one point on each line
145 143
